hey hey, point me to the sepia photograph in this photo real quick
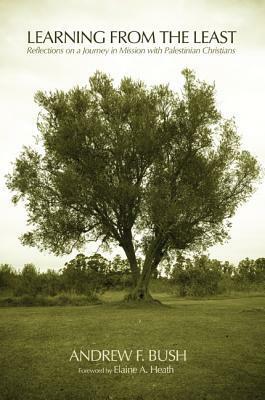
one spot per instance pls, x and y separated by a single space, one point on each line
132 255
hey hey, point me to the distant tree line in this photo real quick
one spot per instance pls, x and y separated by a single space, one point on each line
202 276
197 276
81 275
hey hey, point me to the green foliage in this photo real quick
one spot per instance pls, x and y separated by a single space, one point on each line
246 270
118 276
81 275
119 264
260 269
250 274
85 274
83 278
29 282
127 162
198 277
8 277
51 282
88 276
202 276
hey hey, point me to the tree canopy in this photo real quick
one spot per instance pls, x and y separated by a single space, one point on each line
147 169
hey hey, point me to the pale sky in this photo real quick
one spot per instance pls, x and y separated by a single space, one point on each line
239 81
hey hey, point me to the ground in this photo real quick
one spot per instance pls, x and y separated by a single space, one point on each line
223 339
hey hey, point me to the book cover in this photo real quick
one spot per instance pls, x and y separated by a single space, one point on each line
133 262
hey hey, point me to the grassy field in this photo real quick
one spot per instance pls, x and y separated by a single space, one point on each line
224 340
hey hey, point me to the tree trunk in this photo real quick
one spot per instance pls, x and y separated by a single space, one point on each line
128 248
141 292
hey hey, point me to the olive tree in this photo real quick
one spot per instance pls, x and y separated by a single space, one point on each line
147 169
